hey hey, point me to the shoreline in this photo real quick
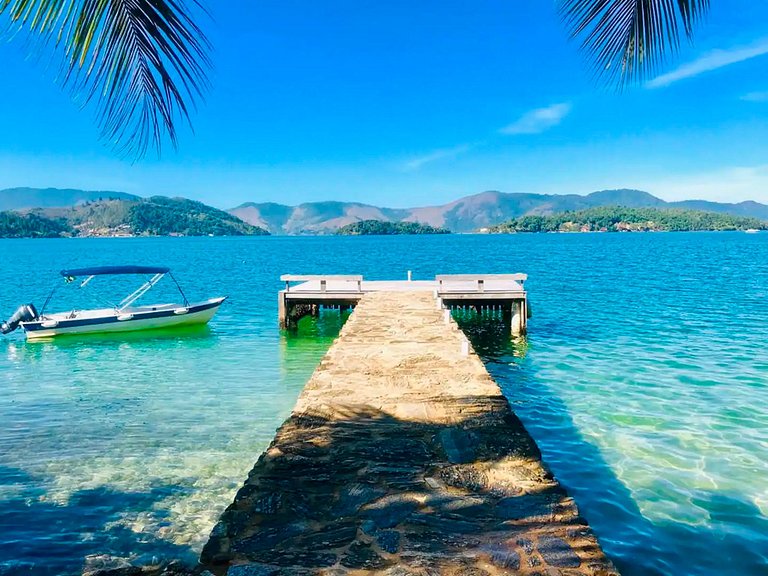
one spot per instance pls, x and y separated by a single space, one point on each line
476 233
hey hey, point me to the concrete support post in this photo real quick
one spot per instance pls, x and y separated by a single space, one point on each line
518 324
282 310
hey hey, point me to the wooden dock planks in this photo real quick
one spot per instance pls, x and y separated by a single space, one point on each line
402 457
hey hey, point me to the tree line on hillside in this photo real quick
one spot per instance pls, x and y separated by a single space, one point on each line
382 228
156 216
160 216
622 219
15 225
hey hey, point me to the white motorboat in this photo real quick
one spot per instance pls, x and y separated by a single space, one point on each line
122 317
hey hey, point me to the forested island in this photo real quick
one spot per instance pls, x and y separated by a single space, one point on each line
622 219
155 216
383 228
15 225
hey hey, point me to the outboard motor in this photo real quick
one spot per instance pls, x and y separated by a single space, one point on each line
24 313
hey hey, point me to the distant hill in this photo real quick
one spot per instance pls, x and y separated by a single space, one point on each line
155 216
622 219
26 198
466 214
748 209
107 210
380 228
161 216
312 217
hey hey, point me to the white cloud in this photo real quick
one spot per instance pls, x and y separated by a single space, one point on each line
708 62
756 97
728 184
441 154
538 120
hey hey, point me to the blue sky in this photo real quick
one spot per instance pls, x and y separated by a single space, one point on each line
413 103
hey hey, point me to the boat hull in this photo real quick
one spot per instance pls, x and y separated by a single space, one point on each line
194 314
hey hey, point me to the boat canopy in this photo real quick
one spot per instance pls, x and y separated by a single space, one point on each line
110 270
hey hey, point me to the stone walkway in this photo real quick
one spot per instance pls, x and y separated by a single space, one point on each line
402 457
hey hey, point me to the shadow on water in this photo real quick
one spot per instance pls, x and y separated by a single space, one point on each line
302 347
55 539
637 545
325 326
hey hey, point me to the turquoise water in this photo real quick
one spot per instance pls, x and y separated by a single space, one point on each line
644 379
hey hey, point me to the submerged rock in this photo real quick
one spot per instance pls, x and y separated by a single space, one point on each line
105 565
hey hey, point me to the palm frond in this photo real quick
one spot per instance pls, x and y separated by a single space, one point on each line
627 40
142 63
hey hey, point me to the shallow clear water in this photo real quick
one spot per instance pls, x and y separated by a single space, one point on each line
644 380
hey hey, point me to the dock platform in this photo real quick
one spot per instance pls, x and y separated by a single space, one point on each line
307 295
402 457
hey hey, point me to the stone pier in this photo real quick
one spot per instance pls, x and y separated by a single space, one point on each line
402 457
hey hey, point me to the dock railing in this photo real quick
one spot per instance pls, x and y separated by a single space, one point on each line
502 282
323 279
307 294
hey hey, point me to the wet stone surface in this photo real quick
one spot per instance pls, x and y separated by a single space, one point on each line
295 557
352 498
557 552
361 555
388 540
402 458
525 506
389 514
505 557
460 445
329 537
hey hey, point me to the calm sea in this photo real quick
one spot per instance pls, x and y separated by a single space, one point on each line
644 380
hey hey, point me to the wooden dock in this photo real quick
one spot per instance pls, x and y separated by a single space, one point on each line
402 457
307 295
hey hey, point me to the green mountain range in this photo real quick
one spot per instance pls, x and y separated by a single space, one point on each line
155 216
81 212
465 214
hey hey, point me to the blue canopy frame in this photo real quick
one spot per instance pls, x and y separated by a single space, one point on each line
157 271
113 270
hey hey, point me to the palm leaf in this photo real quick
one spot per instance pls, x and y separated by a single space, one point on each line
627 40
142 63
